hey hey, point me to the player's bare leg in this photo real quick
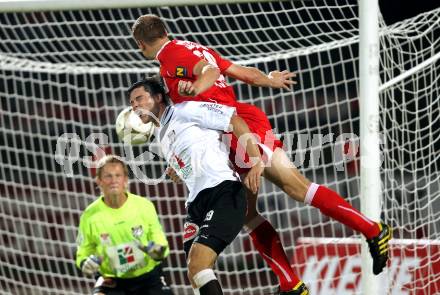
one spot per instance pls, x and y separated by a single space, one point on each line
286 176
252 210
200 262
268 243
283 173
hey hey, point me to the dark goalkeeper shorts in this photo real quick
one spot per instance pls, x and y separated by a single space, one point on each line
151 283
216 216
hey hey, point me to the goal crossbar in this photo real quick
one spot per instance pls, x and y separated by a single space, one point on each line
57 5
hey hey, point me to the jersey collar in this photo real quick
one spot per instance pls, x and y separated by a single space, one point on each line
160 50
165 118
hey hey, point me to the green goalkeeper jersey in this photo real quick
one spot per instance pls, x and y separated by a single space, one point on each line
108 234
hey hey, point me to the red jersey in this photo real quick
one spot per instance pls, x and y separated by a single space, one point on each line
177 60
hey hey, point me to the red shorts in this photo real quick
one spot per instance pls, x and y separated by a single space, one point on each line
260 126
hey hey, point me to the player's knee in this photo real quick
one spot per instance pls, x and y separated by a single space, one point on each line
195 266
252 210
190 278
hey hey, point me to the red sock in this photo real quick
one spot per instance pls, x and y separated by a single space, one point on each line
268 244
334 206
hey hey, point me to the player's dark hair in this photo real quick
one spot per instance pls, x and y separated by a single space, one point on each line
152 85
149 28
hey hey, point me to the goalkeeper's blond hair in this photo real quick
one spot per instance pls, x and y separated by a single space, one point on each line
110 159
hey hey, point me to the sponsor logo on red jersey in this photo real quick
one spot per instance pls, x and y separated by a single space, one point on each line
180 71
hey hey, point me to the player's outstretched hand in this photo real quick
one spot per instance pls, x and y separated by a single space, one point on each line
91 265
252 179
282 79
186 88
173 175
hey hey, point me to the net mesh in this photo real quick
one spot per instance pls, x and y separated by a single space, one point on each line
64 77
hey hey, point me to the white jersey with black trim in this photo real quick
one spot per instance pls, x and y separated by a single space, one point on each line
190 139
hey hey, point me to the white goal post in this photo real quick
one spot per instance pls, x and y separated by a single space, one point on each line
65 67
370 182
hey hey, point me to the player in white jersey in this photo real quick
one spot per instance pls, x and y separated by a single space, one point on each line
192 145
194 151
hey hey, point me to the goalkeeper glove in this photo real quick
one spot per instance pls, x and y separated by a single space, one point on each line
155 251
90 265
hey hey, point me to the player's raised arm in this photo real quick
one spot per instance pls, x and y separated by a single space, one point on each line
206 73
255 77
247 139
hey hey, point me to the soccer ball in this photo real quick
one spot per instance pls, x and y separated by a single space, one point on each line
130 128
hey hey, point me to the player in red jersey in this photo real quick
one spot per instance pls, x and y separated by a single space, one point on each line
195 72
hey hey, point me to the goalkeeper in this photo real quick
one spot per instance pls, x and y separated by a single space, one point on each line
120 239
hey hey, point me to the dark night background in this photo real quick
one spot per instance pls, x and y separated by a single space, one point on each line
397 10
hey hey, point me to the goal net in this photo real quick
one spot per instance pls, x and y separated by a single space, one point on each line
64 76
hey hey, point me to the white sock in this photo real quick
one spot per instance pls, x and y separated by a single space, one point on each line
196 291
311 193
203 277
